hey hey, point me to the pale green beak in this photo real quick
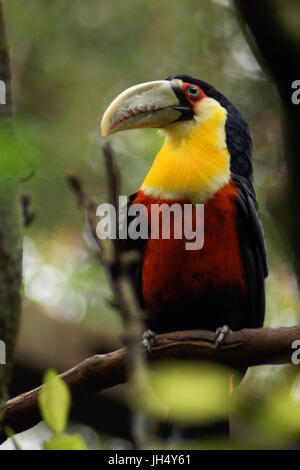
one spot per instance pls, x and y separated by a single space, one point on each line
151 104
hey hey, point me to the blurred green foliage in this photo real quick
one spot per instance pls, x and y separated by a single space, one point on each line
69 60
55 402
191 393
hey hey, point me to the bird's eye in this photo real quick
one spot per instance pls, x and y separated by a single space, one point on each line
193 91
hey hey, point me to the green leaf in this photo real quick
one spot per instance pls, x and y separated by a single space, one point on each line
64 442
189 392
54 402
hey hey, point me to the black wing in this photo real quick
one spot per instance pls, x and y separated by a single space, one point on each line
252 243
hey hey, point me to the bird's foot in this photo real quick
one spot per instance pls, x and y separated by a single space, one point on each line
148 335
221 334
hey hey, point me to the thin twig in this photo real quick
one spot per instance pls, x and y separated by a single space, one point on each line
28 214
118 263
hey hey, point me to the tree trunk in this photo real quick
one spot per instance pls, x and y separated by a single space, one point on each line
10 222
271 28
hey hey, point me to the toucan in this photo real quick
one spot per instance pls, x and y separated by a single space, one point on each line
205 159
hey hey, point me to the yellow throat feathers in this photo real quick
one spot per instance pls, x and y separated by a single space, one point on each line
193 162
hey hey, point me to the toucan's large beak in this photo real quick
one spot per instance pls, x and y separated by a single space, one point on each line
151 104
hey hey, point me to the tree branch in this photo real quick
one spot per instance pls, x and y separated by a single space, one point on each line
241 349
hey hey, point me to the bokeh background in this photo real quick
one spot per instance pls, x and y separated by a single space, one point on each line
69 59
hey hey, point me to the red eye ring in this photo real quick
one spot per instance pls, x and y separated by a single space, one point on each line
193 92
